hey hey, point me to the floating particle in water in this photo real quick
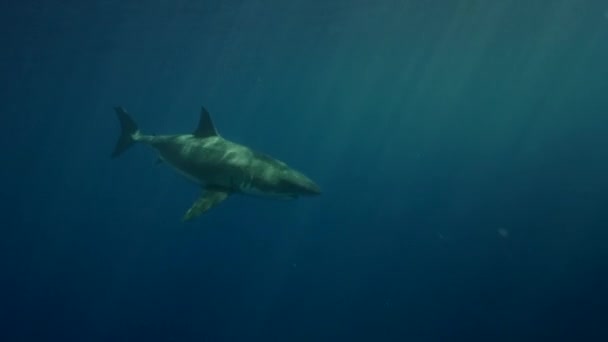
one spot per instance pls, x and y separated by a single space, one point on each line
503 232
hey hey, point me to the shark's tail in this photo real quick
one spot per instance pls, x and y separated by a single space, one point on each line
129 129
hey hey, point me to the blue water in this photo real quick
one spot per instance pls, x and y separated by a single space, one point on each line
461 147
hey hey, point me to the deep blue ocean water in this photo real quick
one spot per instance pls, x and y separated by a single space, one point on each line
461 147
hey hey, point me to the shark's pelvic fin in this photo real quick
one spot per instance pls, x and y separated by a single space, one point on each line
205 127
209 199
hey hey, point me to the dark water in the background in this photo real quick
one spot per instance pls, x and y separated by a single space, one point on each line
461 146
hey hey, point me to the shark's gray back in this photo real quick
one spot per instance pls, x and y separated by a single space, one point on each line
217 162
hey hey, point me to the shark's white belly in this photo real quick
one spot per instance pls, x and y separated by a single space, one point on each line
244 186
249 189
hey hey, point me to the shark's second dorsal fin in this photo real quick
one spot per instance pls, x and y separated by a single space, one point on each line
205 127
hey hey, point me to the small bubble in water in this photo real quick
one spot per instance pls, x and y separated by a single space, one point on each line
503 232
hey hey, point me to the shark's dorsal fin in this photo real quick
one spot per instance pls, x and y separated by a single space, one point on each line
205 127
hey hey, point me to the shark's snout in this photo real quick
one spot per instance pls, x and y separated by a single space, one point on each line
299 185
311 189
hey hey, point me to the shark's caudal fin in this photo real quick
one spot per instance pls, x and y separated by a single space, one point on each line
128 127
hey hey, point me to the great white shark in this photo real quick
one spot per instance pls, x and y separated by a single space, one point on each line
219 166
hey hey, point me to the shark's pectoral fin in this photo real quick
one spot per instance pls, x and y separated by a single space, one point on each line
209 199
